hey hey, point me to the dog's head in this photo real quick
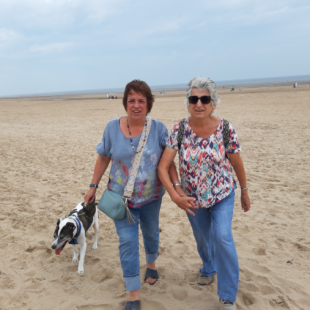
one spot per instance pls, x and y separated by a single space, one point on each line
64 232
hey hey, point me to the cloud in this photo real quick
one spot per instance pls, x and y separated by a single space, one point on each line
9 41
51 47
9 35
234 14
109 41
55 14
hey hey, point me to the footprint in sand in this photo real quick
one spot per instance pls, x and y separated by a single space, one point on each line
279 303
114 284
247 298
301 247
6 282
152 305
259 251
179 293
102 275
35 285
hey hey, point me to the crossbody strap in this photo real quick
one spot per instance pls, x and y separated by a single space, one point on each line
226 132
181 132
137 159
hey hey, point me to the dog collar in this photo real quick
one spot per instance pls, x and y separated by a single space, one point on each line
78 228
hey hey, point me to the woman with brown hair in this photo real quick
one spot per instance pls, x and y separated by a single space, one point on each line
119 145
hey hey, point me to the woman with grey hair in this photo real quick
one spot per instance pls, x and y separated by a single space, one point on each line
208 149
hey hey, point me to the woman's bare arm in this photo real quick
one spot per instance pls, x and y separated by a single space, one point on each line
167 173
101 166
237 163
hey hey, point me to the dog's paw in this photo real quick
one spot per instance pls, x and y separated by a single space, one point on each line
74 260
94 247
80 272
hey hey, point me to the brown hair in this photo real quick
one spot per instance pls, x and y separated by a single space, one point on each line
142 88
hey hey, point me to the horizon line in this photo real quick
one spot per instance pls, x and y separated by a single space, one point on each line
165 87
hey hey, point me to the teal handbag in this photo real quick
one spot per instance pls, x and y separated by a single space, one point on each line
113 205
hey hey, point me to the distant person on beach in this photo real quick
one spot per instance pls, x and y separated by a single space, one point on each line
119 146
108 96
295 85
232 88
208 150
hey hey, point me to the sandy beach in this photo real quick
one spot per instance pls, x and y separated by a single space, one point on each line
47 158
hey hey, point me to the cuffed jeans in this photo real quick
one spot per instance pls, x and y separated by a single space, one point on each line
128 234
216 246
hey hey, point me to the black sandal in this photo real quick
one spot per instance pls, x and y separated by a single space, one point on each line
151 273
132 305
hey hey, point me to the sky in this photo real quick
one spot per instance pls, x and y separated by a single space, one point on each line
78 45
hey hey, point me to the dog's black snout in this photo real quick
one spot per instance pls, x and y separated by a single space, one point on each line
53 246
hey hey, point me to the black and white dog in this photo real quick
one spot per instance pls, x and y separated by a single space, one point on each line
73 229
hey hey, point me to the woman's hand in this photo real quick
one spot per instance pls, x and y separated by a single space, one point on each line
90 195
179 190
177 195
186 203
245 201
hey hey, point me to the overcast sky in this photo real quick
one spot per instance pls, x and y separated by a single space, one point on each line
74 45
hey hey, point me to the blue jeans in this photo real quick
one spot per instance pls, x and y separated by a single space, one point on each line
216 246
148 217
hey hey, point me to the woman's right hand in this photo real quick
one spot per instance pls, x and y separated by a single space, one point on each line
184 202
90 195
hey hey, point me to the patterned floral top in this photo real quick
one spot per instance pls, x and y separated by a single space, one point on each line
117 147
206 173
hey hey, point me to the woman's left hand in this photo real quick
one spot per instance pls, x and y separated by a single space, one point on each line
245 201
180 191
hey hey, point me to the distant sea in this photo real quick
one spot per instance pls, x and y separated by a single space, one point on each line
245 83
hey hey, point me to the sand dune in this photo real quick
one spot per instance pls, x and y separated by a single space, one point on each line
47 156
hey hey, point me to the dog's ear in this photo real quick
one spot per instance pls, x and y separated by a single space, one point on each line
57 227
71 228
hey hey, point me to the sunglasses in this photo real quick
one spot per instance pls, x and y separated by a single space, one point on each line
203 99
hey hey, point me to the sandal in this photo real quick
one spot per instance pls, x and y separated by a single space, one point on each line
151 273
132 305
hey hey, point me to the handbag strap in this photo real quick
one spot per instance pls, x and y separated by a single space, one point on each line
137 159
181 133
226 132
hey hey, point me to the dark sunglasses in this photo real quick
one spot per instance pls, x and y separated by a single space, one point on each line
203 99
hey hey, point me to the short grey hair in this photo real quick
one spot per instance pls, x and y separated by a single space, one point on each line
202 83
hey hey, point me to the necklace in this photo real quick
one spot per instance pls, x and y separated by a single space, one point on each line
136 151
